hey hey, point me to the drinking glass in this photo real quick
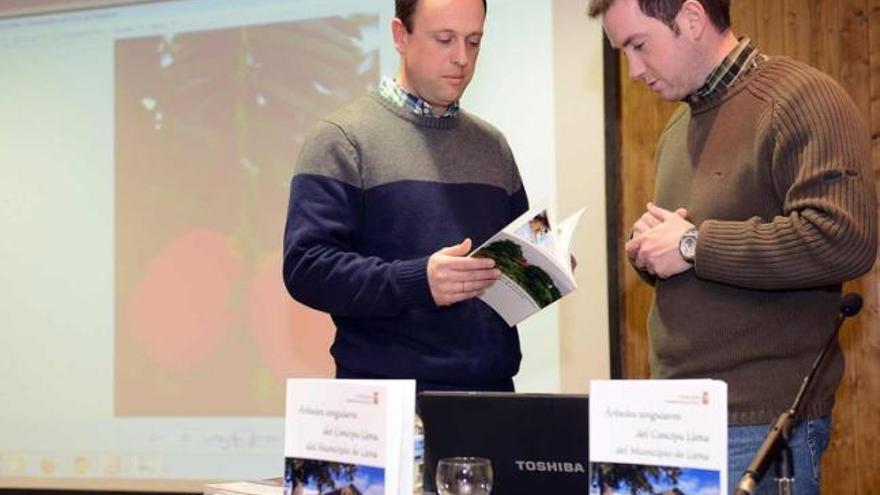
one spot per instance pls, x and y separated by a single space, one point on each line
464 476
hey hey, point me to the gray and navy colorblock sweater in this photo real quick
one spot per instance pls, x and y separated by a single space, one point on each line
375 192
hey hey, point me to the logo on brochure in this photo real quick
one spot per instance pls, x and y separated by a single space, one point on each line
365 398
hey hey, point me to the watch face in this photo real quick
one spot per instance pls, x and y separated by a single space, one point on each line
688 246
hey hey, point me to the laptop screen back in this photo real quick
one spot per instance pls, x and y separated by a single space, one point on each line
538 443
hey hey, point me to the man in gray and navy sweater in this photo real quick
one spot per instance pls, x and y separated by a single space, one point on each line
389 195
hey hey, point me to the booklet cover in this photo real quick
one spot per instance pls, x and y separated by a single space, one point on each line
349 436
534 256
658 436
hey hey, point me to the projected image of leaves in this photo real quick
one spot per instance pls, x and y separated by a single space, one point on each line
509 259
208 127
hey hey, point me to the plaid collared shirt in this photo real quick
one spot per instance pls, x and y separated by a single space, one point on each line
391 91
739 61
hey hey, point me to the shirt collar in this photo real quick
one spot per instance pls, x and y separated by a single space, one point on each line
399 97
740 60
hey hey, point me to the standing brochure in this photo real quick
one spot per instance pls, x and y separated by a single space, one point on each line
349 436
658 436
534 256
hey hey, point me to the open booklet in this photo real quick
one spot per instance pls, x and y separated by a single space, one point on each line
534 256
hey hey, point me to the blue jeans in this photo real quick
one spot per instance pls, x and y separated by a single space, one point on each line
808 441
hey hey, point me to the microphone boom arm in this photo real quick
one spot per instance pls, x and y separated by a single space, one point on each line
779 432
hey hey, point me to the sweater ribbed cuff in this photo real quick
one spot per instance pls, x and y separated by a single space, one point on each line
412 283
717 250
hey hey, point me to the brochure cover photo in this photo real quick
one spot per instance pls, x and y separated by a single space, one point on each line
534 256
625 479
308 477
349 437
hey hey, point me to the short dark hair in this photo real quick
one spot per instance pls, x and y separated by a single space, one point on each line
406 9
666 10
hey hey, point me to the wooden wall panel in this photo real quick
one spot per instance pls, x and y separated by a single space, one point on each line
798 29
744 14
827 41
640 106
847 453
841 38
768 29
874 53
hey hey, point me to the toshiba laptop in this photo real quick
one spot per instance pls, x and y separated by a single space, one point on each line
538 443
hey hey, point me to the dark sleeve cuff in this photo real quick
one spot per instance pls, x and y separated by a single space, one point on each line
412 284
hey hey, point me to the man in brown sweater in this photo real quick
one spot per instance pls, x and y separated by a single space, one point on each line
764 204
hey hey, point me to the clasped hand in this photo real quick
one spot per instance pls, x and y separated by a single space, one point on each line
653 246
455 277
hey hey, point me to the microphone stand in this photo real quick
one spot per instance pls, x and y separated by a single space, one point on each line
784 469
776 442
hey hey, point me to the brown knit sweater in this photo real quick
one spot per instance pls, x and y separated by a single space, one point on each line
776 172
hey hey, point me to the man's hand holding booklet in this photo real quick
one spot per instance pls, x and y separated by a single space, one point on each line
533 254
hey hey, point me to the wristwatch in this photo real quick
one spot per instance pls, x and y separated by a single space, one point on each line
687 245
